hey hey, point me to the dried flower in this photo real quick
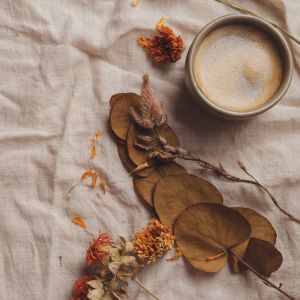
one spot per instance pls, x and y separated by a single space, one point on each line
98 251
80 289
153 242
94 144
165 48
151 115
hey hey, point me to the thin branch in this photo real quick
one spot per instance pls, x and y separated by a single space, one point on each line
265 280
144 288
223 173
249 12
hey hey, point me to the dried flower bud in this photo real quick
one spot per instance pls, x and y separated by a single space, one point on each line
162 140
182 152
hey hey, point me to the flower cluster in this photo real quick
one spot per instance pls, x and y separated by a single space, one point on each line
112 265
165 48
80 289
98 251
153 242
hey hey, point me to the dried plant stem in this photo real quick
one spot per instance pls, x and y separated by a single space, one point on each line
219 170
249 12
264 279
144 288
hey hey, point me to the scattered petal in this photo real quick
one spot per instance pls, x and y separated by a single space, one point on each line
79 221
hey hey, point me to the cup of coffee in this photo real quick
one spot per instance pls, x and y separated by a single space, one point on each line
238 66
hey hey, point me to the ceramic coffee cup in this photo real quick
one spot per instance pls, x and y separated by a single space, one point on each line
286 66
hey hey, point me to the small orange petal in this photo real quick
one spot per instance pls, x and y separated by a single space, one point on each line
79 221
87 174
178 254
94 151
94 182
98 134
103 186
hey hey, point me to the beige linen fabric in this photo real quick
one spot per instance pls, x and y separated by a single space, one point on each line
60 61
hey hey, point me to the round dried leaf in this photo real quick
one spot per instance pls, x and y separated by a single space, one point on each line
263 257
114 98
129 166
145 186
139 156
207 230
120 118
261 228
175 193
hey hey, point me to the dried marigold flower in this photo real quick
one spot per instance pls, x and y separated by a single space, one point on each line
80 288
98 250
153 242
165 48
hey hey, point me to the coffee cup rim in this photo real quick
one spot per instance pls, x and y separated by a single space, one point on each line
286 56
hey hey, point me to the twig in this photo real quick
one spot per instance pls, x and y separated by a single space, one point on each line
144 288
223 173
264 279
249 12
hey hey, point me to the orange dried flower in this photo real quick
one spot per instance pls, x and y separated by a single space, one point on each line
80 289
153 242
165 48
98 250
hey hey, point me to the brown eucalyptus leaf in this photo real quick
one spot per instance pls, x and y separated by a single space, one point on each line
263 257
139 156
120 118
261 228
205 231
175 193
114 99
145 186
127 163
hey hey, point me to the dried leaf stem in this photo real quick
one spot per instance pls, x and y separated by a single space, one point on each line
136 280
266 281
249 12
219 170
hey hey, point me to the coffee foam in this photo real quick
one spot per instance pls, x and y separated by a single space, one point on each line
238 67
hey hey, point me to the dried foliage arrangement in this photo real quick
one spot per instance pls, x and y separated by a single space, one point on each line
164 48
208 233
110 266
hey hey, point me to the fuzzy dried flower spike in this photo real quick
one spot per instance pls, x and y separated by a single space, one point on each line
153 242
165 48
151 114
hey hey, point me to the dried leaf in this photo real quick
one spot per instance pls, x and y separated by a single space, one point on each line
79 221
128 164
139 156
145 186
175 193
263 257
205 230
261 228
114 99
120 118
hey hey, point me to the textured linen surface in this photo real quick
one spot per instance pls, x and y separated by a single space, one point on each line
60 61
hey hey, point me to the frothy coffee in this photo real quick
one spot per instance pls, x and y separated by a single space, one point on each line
238 67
